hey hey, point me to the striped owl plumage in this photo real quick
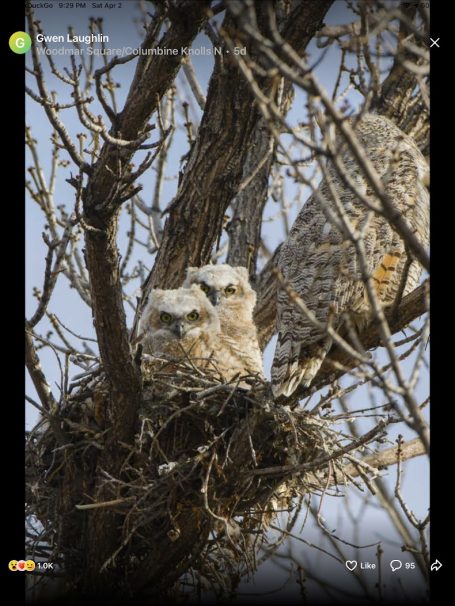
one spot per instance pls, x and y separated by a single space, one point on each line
229 290
321 265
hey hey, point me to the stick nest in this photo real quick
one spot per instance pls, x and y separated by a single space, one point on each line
210 466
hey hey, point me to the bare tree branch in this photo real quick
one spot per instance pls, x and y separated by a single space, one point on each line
102 197
36 373
412 306
389 456
245 226
217 159
398 89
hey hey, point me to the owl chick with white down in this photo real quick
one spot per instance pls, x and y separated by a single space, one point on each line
179 323
182 323
320 263
229 290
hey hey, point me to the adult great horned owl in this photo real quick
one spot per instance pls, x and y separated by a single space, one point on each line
320 262
229 289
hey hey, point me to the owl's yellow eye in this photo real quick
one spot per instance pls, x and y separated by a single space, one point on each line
230 290
165 318
204 287
192 316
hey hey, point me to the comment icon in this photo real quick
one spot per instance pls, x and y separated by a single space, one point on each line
395 565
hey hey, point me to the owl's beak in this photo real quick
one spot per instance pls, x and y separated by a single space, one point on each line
179 329
215 297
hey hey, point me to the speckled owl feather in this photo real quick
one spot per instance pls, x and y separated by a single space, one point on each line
320 263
